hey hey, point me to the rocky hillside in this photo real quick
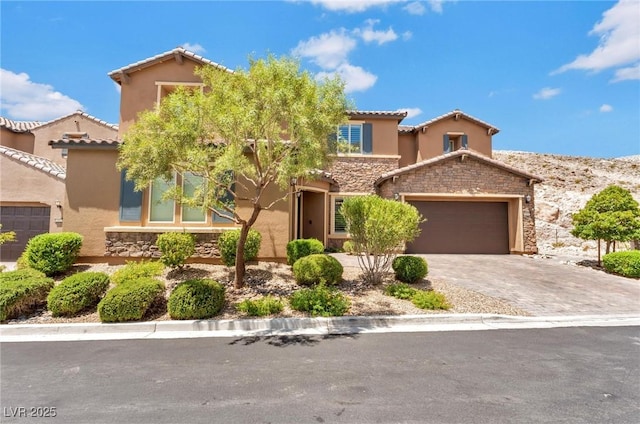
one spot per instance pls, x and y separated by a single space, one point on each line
569 181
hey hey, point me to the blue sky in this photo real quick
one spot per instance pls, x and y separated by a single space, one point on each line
555 77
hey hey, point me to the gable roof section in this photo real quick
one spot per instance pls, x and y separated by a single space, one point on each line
457 153
176 54
83 143
355 114
37 162
457 114
18 126
83 114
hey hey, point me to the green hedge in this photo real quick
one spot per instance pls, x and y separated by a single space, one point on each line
130 301
297 249
53 253
626 263
228 243
267 305
196 299
409 269
317 269
320 301
133 271
22 291
77 292
176 248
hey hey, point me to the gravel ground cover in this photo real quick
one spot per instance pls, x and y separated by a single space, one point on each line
276 279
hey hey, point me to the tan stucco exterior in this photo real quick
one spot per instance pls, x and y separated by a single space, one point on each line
429 138
16 140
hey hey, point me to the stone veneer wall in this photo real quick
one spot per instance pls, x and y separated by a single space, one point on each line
473 177
356 174
142 244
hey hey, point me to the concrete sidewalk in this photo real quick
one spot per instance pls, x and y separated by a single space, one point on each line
299 326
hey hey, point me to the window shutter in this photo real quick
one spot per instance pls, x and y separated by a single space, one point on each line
367 138
130 200
465 142
332 140
226 198
446 147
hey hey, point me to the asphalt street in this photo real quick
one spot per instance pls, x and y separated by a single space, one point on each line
559 375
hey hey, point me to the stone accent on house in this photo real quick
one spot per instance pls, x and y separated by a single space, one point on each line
142 244
469 176
356 174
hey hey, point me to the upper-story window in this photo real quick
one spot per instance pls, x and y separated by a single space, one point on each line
454 141
164 88
354 139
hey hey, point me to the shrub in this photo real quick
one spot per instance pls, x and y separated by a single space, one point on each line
131 300
409 269
228 243
626 263
53 253
77 292
264 306
22 262
297 249
317 269
22 291
430 300
196 299
176 248
136 270
320 301
348 247
400 291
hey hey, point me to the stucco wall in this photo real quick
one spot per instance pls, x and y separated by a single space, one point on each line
18 141
470 177
430 141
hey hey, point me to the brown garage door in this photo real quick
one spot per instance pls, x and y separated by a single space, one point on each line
462 227
26 221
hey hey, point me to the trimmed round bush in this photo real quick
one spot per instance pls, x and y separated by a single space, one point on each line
317 269
320 301
53 253
409 269
133 271
267 305
176 248
196 299
77 292
625 263
297 249
22 291
349 247
131 300
228 243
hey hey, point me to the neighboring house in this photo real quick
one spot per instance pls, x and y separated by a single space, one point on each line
473 203
32 175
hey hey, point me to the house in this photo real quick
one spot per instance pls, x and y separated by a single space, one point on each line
444 166
32 175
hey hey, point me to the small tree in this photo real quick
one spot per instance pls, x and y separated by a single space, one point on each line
610 215
378 228
244 133
6 236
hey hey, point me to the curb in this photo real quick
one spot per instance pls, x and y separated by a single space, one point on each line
300 326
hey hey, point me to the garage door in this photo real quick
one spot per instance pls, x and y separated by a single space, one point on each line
26 221
462 227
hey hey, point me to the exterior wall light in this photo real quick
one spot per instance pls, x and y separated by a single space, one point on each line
527 198
396 196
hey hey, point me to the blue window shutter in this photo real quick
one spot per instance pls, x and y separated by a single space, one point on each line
446 147
367 138
465 142
130 200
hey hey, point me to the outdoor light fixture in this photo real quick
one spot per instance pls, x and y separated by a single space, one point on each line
294 181
527 198
396 196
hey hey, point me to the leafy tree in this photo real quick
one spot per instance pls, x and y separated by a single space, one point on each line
610 215
244 133
378 227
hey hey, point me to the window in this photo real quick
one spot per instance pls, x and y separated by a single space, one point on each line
190 184
454 141
161 210
350 138
338 224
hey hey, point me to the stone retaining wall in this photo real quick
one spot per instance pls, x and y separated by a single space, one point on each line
142 244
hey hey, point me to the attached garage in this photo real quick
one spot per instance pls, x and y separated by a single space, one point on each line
27 222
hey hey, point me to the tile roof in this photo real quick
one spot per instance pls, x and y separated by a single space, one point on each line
18 126
457 153
64 143
116 74
454 113
400 115
37 162
80 113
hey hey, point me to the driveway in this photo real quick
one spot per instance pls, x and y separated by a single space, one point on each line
539 286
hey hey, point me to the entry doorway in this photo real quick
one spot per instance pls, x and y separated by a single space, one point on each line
310 215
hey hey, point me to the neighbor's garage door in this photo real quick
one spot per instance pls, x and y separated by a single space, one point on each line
26 221
462 227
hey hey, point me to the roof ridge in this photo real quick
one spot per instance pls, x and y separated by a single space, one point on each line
37 162
81 113
452 113
18 126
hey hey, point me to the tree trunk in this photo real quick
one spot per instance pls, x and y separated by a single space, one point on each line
599 261
608 247
238 281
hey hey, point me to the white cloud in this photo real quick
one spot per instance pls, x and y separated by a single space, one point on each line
546 93
407 35
415 8
352 6
606 108
368 34
619 33
327 50
21 98
355 78
436 5
194 48
412 112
